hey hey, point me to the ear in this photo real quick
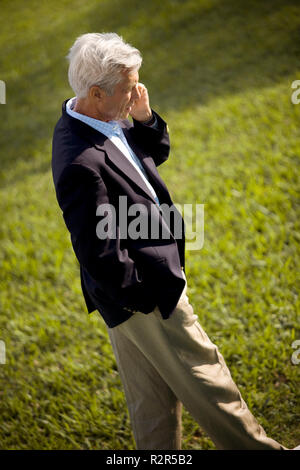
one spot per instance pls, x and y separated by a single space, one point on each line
95 92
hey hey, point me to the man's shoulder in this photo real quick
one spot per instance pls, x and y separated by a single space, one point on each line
65 141
69 147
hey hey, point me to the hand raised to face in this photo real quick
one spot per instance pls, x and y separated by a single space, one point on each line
140 108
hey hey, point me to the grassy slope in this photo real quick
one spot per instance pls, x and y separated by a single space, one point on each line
220 74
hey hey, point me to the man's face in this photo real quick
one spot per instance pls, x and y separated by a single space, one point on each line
118 106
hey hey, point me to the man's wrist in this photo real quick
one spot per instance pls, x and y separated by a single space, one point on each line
143 117
149 121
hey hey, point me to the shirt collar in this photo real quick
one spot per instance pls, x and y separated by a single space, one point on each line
109 128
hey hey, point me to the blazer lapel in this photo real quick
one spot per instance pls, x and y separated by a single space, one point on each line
123 164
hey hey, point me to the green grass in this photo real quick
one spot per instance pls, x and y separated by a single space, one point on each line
220 73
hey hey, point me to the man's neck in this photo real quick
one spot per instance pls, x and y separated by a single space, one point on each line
83 107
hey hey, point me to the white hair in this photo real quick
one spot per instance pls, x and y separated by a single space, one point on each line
99 59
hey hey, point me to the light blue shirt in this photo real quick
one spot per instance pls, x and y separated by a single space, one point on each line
113 131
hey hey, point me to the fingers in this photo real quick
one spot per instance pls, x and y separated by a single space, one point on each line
141 89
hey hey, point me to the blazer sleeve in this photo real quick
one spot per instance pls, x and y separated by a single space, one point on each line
79 192
153 139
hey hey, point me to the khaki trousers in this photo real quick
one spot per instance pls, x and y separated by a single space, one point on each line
166 363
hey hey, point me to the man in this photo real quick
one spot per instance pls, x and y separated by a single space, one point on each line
138 284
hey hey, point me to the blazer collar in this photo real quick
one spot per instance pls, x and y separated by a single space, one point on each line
102 143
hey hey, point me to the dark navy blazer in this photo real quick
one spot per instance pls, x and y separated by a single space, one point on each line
119 275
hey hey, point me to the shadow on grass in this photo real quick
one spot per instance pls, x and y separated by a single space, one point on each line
194 51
